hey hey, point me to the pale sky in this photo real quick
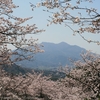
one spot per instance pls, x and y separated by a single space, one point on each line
55 33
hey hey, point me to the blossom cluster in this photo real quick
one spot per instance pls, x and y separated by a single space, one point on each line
13 31
86 19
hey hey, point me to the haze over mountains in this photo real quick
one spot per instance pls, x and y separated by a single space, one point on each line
55 55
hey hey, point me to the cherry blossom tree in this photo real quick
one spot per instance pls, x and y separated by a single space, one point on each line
36 87
13 31
71 13
85 77
29 86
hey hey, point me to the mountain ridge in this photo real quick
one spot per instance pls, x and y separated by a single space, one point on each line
55 55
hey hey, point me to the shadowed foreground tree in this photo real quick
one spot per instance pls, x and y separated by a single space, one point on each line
13 31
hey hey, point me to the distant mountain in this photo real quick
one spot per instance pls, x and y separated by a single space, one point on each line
55 55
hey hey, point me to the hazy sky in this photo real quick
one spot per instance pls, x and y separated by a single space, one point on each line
55 33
